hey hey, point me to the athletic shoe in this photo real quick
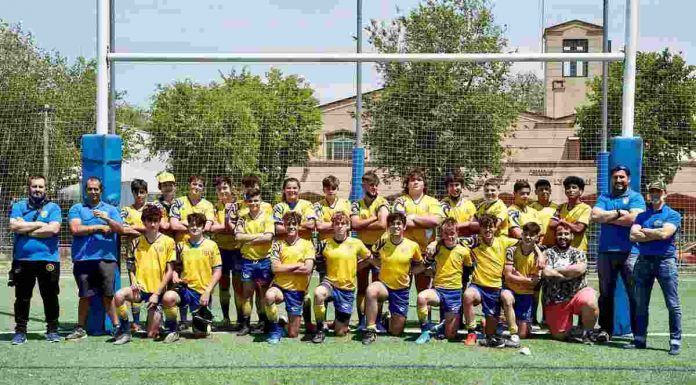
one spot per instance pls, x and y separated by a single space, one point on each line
245 330
136 328
674 350
492 342
470 339
19 338
319 337
182 326
513 341
171 337
369 336
260 327
275 335
424 337
601 336
635 345
78 334
583 338
52 337
123 339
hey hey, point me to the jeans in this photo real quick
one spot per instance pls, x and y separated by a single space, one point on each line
647 269
609 266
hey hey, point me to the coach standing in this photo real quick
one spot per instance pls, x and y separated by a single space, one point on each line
35 222
615 212
94 225
655 231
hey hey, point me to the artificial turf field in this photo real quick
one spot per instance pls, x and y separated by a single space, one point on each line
227 359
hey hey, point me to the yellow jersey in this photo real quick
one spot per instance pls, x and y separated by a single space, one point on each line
342 261
518 216
489 261
302 207
580 213
449 265
363 211
323 211
243 209
131 216
225 241
545 214
461 210
285 253
526 265
151 261
396 260
198 262
498 210
182 207
427 205
261 224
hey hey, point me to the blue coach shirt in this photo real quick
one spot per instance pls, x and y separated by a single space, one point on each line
28 248
655 219
97 246
613 238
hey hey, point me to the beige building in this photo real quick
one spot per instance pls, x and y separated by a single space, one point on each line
537 146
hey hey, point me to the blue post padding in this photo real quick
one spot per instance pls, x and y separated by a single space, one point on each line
356 191
101 158
627 152
602 173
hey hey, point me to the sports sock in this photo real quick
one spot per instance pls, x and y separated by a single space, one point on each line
122 312
307 310
272 312
225 302
135 309
320 315
423 314
170 317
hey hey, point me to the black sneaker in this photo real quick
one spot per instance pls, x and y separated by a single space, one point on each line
369 336
601 336
245 330
78 334
319 336
583 338
674 350
493 342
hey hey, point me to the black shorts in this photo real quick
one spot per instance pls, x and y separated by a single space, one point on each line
95 278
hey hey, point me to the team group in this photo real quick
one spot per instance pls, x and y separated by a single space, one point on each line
457 253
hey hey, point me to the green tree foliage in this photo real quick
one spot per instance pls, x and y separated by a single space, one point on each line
242 124
665 109
41 92
443 115
528 91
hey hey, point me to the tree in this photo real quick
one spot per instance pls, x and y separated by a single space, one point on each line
440 115
242 124
41 92
665 109
528 91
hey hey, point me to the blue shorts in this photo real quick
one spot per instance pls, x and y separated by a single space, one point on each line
398 301
191 298
145 296
342 299
294 300
490 300
230 261
257 271
450 300
523 307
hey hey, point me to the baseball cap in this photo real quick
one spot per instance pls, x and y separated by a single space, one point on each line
165 177
657 185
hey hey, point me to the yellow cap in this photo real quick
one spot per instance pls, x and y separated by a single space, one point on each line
165 177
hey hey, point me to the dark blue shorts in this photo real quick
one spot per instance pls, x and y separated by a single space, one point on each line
230 261
257 271
342 299
490 300
450 300
398 301
191 298
294 301
523 307
145 296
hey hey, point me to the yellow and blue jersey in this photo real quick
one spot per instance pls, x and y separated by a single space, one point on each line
299 252
225 241
461 210
498 209
489 260
396 261
363 211
580 213
182 207
520 216
545 214
342 261
261 224
449 265
199 261
323 211
151 261
427 205
132 217
526 265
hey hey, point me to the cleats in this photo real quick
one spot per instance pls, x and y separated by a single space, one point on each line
19 338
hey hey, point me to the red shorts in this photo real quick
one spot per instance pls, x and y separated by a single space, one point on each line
559 316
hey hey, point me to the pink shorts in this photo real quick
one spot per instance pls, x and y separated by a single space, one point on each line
559 316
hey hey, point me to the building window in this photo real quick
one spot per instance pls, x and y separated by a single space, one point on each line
339 146
573 69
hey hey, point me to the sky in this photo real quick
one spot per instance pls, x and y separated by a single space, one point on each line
69 27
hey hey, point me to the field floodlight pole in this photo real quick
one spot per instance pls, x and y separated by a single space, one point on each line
629 76
103 22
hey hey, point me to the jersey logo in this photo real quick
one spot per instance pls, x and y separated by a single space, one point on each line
625 200
50 267
658 223
44 213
